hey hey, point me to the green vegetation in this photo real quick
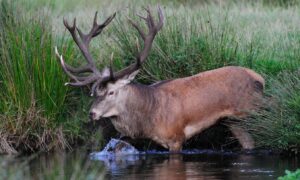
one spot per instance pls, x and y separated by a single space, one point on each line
290 175
34 103
277 125
38 113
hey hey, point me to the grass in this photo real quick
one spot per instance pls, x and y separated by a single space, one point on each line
210 37
290 175
277 124
34 103
39 113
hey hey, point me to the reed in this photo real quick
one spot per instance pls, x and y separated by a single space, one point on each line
35 104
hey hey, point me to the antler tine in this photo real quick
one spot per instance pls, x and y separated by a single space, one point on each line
161 18
62 62
79 70
87 80
69 69
101 26
138 28
97 29
82 47
148 40
95 19
82 42
149 19
68 26
86 38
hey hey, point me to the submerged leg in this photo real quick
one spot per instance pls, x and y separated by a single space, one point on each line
175 147
243 137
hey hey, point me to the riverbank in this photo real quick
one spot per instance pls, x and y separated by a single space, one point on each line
39 113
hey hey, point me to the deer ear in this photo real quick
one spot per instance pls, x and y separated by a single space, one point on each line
128 78
132 75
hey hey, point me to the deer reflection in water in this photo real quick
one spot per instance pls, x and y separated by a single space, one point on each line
195 166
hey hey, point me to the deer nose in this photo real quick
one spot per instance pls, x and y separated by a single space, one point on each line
92 115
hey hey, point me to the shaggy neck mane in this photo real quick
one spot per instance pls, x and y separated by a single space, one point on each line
140 105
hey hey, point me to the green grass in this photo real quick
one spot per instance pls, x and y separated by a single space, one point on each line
194 40
38 113
290 175
277 125
34 102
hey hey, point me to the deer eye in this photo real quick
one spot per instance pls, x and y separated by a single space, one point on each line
111 93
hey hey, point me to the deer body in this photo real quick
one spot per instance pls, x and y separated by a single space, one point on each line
168 112
172 112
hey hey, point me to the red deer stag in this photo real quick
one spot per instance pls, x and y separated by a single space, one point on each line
168 112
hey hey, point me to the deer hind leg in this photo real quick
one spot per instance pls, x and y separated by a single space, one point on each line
243 137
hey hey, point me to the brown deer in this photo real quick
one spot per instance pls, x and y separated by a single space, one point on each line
168 112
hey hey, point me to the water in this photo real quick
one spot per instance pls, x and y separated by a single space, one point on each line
196 164
201 165
123 161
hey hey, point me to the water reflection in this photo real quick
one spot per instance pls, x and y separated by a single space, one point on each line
149 165
197 166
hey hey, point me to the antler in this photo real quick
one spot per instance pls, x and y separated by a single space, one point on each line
98 77
153 28
83 42
141 56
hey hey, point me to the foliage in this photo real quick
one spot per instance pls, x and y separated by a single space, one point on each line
203 40
277 124
290 175
34 107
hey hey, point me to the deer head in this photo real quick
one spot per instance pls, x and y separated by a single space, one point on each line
109 87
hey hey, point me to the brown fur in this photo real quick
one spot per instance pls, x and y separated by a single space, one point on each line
173 111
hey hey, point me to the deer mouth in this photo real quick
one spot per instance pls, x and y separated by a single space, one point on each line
94 117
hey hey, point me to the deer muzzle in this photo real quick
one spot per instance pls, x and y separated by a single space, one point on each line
92 116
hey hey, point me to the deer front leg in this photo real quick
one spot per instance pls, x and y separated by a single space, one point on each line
243 137
175 146
170 138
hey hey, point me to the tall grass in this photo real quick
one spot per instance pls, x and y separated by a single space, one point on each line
185 46
33 106
277 124
195 40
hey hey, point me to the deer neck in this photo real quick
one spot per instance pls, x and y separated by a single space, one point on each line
135 119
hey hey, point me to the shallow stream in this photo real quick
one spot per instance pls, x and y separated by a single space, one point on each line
204 164
197 164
